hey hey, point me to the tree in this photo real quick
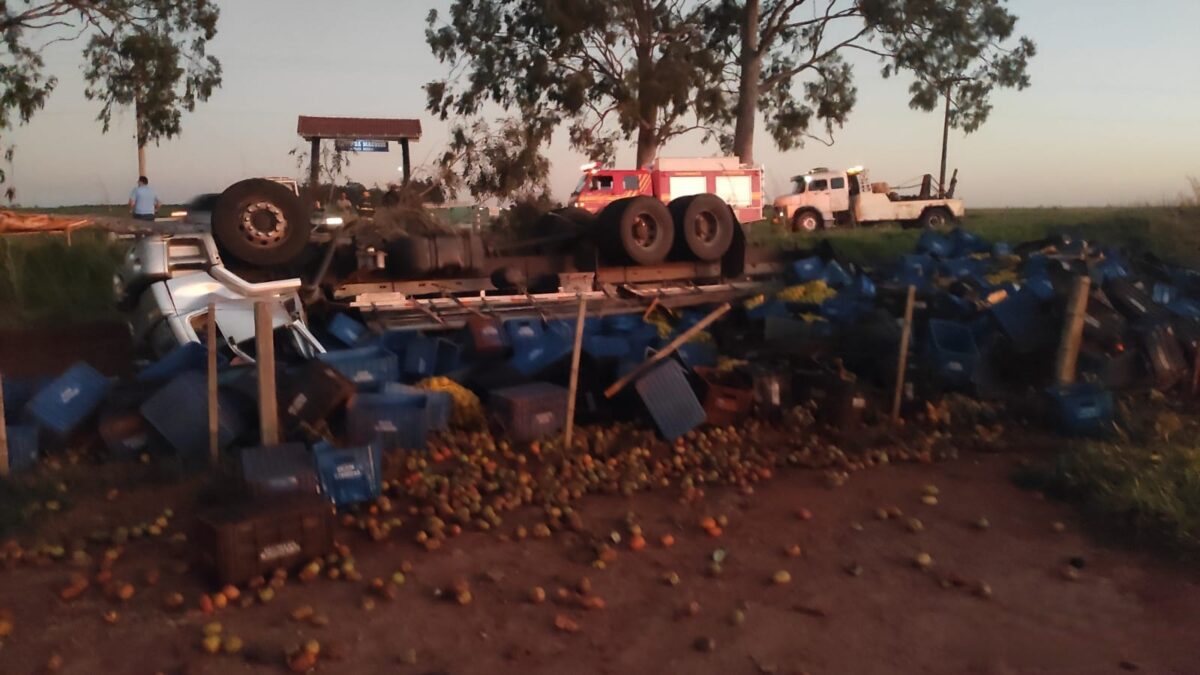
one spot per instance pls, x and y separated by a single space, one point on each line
124 37
770 47
142 64
766 46
610 69
956 56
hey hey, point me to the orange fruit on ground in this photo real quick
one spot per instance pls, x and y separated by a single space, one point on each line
667 541
206 604
637 542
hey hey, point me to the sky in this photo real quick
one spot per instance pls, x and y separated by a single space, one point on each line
1112 116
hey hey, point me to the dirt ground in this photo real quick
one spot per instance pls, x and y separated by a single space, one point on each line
1126 611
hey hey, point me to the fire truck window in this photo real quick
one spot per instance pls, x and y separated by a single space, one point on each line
837 183
816 185
631 183
602 183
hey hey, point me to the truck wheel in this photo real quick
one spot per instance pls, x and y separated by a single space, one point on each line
705 225
807 220
640 228
936 218
260 222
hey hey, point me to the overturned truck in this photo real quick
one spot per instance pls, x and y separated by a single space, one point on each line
675 250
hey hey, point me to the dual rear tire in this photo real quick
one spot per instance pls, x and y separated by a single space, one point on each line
644 231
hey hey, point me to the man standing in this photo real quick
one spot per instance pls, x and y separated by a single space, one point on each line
143 203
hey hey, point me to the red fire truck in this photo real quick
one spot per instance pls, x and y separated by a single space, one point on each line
692 207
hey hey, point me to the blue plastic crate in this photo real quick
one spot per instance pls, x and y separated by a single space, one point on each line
1083 409
1041 286
532 358
448 358
397 341
179 413
64 403
772 307
863 287
22 446
836 276
349 475
17 393
1018 316
669 397
962 268
606 346
935 244
842 310
347 330
438 404
190 356
921 266
367 367
522 332
952 352
1164 293
695 354
966 243
1185 308
808 269
1002 249
1108 269
279 469
393 420
621 323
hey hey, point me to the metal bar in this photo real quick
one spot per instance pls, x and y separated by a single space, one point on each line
268 407
902 366
404 154
663 353
573 387
214 425
1072 335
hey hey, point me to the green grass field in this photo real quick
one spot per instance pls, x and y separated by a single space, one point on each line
42 279
1170 231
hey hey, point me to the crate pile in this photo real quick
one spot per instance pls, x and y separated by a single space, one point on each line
987 323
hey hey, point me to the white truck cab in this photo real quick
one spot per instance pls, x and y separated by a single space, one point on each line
825 198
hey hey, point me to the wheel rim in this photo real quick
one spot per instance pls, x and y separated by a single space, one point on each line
808 222
644 231
936 220
263 224
705 228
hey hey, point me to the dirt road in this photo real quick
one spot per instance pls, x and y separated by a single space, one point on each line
1126 611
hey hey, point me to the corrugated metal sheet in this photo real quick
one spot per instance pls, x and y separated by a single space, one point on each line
358 127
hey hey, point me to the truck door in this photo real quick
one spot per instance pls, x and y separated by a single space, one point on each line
595 191
839 195
817 196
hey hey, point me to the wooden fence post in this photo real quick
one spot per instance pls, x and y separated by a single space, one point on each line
264 340
573 387
1072 335
902 365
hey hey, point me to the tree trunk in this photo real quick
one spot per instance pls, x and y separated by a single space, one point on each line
750 67
945 142
141 159
647 148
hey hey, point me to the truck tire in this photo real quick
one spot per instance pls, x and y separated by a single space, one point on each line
638 228
260 222
936 218
703 225
807 220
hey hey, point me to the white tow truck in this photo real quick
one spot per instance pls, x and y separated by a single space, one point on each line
825 198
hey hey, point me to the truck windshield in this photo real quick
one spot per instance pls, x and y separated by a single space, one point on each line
580 185
798 181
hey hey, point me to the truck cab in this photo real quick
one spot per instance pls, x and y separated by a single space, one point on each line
598 187
822 190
